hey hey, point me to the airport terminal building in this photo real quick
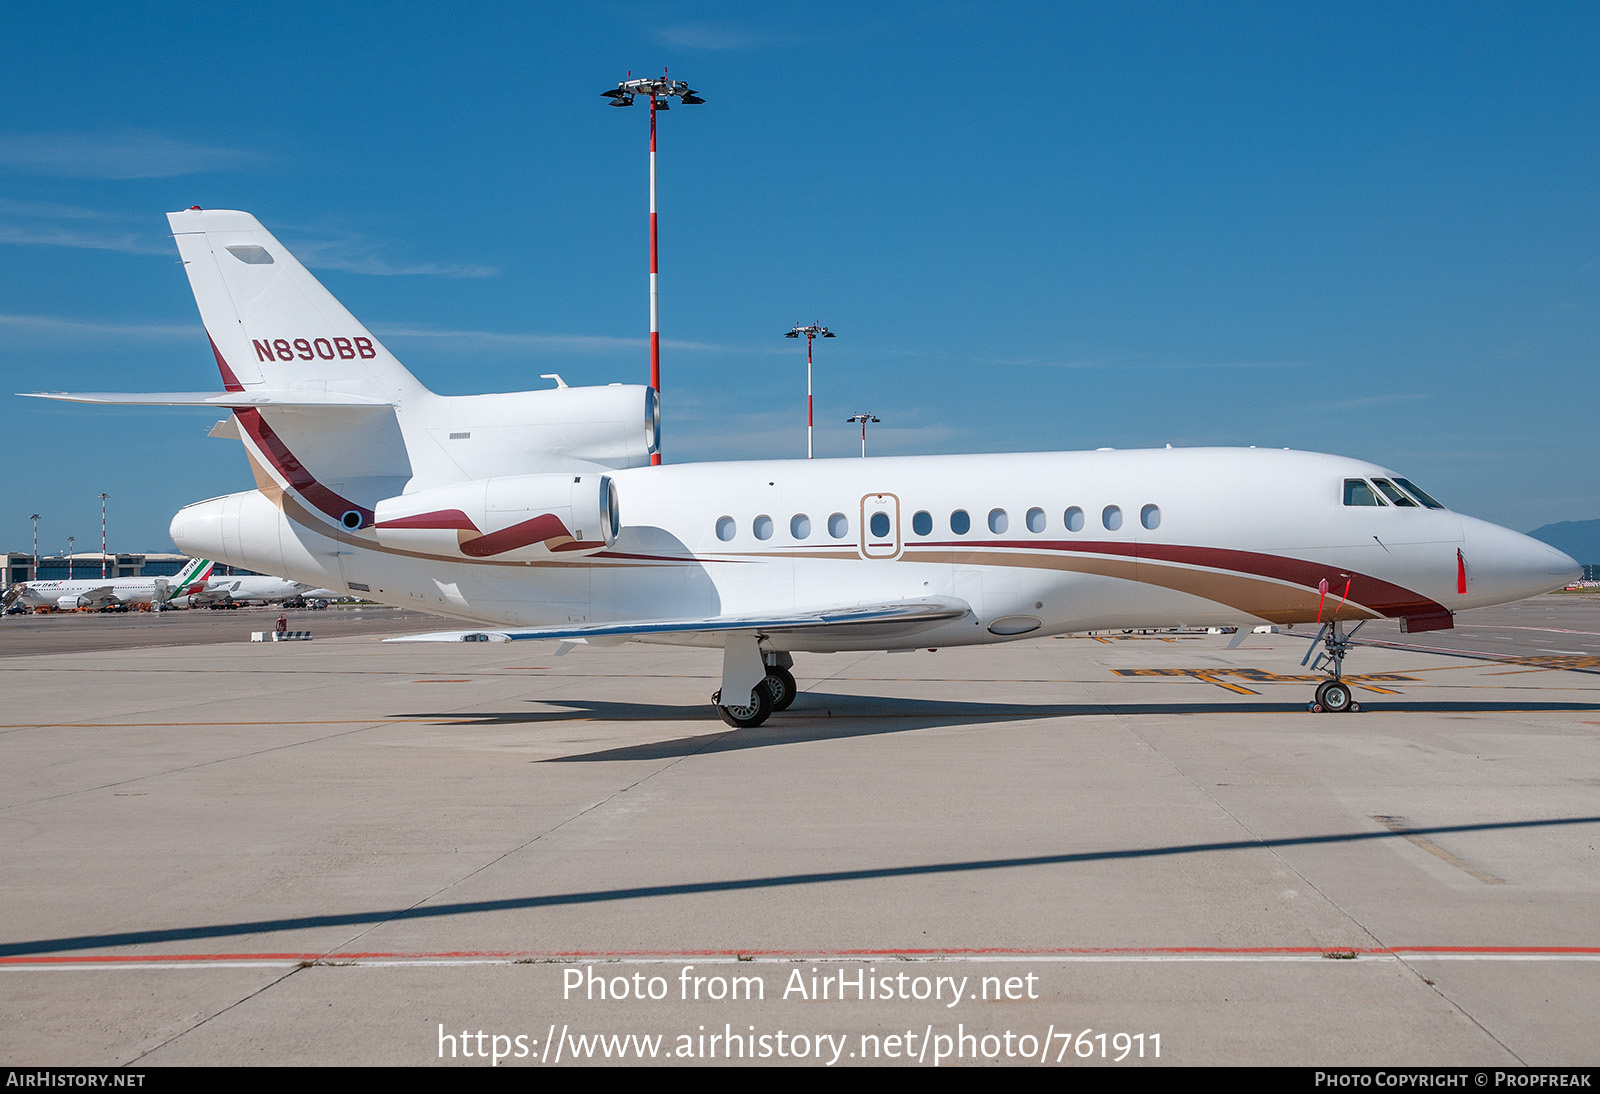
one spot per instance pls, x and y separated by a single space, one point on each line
18 566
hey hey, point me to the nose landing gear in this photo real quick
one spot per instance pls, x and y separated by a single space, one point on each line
1333 695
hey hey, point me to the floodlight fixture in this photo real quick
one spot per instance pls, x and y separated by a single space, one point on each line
863 418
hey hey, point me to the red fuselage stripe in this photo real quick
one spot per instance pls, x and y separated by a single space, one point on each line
1380 595
289 466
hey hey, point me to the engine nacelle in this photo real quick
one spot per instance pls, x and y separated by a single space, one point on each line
512 518
71 603
526 431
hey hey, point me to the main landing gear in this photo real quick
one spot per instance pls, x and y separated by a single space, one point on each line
775 692
758 710
1333 695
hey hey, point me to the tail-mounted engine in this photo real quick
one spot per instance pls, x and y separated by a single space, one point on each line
513 518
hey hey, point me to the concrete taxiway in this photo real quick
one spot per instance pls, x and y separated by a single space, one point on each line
1064 850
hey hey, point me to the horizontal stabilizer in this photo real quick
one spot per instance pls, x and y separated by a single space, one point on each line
254 397
928 610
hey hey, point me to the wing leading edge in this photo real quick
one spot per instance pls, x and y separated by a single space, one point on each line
929 610
223 399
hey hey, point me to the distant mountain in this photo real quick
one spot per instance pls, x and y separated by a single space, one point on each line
1579 538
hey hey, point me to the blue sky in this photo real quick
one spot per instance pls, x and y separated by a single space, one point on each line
1371 229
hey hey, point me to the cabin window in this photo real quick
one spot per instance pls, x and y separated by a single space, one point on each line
838 526
1392 492
879 524
1111 517
1036 520
1357 492
922 523
1073 519
960 523
998 521
799 526
762 527
725 528
1150 517
1411 488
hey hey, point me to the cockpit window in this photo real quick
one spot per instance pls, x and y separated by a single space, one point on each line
1393 493
1411 489
1357 492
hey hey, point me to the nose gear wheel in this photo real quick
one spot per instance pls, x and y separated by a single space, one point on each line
1333 695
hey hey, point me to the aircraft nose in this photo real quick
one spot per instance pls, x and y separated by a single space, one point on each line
1571 570
1507 565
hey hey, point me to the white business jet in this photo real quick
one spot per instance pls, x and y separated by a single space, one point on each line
536 514
111 591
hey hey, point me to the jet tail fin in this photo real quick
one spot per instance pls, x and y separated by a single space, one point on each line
192 577
315 394
272 324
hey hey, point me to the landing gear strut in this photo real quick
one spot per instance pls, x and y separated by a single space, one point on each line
1333 695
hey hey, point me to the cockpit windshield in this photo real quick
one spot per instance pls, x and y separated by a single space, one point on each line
1372 494
1357 492
1411 489
1392 492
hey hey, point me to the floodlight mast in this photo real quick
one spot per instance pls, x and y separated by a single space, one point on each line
813 331
103 498
863 418
660 90
35 519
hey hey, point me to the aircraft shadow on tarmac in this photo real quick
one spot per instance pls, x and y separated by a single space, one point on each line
823 717
772 882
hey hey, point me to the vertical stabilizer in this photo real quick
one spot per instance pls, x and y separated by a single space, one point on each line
192 577
275 329
271 323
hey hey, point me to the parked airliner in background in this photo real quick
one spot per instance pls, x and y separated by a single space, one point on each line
106 592
248 589
536 514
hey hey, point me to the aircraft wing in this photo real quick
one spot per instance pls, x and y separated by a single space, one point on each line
224 399
99 596
925 610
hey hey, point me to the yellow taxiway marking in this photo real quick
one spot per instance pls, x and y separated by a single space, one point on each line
1211 675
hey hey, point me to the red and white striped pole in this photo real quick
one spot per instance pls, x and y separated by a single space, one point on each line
655 277
810 332
809 416
103 536
623 94
863 418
